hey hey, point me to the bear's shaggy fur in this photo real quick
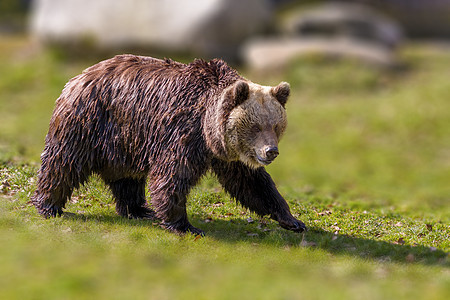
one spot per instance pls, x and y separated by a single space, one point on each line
133 118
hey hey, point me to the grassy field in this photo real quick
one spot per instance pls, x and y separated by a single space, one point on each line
365 163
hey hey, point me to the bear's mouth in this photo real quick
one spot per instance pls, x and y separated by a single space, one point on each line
263 161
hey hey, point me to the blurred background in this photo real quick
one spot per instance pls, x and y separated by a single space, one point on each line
369 113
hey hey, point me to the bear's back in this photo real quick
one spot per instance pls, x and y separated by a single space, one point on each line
138 105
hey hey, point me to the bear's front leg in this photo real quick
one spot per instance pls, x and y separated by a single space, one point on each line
255 189
169 201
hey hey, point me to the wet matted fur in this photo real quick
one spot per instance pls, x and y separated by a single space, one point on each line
134 119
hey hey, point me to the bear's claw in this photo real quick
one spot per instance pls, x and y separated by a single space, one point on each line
48 211
294 225
182 229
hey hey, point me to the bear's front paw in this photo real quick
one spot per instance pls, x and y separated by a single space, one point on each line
296 226
292 223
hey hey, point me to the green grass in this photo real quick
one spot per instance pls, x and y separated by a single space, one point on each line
364 163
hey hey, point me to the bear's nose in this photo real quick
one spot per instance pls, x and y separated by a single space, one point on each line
271 152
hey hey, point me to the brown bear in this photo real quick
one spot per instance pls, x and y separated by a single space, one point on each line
132 118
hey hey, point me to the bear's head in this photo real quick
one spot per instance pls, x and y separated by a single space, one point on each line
250 120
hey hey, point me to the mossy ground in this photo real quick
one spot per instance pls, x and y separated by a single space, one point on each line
364 163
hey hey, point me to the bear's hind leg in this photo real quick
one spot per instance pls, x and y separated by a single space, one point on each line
50 202
129 194
54 188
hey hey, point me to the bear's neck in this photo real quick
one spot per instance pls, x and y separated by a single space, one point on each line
214 125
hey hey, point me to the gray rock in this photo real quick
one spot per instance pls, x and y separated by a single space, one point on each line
419 18
332 29
345 20
204 27
277 53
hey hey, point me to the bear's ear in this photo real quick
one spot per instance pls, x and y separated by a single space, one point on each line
233 96
281 92
240 92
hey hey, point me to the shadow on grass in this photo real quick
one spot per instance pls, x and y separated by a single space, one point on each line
239 230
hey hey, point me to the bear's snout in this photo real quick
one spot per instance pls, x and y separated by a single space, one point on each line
266 154
271 152
266 147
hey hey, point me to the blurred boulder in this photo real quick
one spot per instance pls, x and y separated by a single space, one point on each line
345 20
204 27
332 29
419 18
277 53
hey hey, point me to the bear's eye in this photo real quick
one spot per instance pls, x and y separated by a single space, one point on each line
255 128
277 129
